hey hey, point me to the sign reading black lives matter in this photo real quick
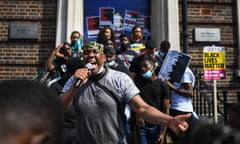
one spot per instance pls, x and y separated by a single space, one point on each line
174 66
214 63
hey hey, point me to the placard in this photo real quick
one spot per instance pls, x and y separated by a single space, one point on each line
174 66
214 63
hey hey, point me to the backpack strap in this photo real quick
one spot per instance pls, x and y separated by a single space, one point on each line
120 107
120 104
125 59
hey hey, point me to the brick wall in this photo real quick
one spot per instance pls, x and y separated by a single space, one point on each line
213 14
24 58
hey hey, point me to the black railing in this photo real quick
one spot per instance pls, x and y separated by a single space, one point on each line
227 96
203 99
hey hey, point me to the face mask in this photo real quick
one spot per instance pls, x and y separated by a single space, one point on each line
111 63
162 54
78 45
147 75
102 69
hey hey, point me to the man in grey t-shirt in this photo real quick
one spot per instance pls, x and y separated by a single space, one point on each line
98 120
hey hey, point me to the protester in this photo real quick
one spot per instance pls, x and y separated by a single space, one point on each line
136 73
109 43
30 113
98 117
105 34
56 63
125 54
135 67
63 68
157 94
60 53
181 101
164 48
112 61
76 43
137 41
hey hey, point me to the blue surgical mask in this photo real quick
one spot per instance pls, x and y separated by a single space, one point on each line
111 63
162 54
102 69
147 74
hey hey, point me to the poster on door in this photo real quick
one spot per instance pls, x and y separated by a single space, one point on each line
106 17
120 23
92 26
214 63
130 20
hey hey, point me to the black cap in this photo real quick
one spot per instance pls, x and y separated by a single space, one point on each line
151 44
109 50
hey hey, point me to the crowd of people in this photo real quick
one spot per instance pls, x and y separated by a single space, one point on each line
133 81
119 98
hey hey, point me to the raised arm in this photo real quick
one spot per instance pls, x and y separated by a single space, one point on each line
154 116
58 53
50 65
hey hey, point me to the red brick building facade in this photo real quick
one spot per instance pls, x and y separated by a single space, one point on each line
23 58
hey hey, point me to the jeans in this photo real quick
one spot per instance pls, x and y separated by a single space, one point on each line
148 134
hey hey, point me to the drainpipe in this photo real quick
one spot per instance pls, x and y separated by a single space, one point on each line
185 26
237 6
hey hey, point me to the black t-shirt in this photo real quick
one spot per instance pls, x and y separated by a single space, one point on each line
136 68
60 66
126 57
154 92
71 66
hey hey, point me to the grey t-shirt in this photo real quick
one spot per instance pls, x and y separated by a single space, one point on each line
98 120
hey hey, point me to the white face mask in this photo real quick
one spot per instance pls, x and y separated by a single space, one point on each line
111 63
102 69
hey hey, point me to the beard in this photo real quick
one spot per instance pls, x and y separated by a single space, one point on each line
125 46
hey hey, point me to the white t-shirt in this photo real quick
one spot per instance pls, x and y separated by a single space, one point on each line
183 103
